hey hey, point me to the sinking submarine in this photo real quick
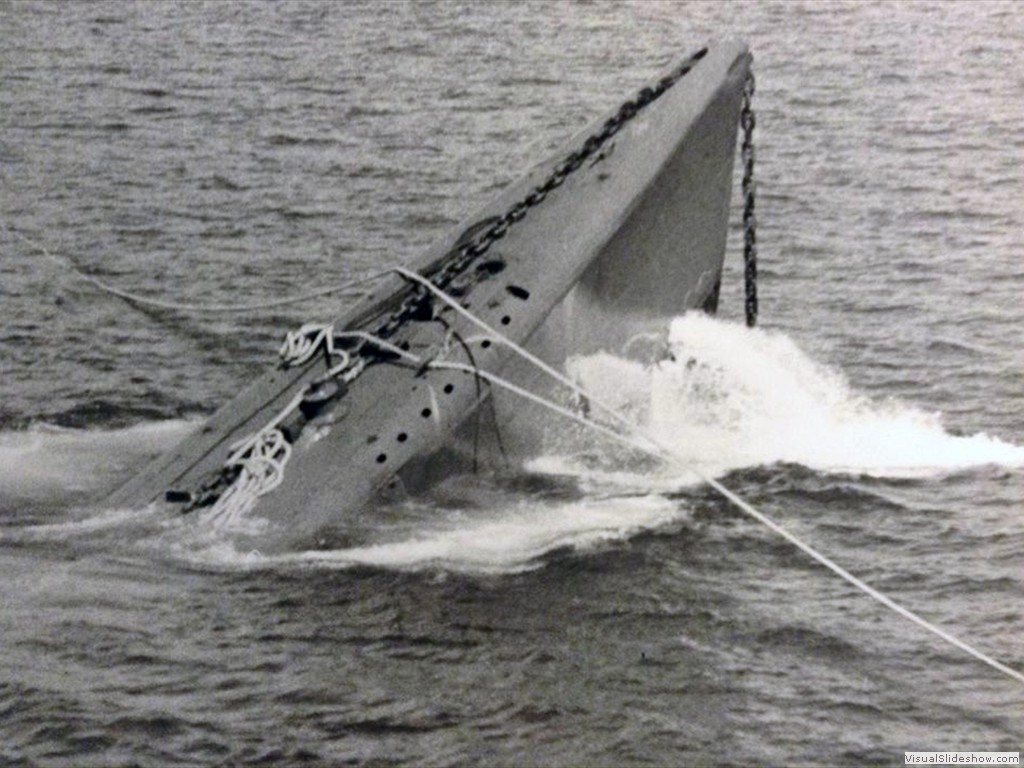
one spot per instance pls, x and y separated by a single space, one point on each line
617 232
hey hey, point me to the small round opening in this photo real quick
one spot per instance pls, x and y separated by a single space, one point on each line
485 343
506 320
449 388
425 413
381 458
402 437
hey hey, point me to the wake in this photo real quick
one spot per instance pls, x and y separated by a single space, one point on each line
722 397
729 398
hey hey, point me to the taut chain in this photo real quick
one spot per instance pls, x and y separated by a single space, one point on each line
748 122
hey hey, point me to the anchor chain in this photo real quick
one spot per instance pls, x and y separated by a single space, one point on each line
479 245
747 122
465 254
252 470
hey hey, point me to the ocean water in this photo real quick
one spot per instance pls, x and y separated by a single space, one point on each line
581 611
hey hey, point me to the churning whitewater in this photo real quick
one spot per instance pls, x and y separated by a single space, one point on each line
721 396
728 397
592 607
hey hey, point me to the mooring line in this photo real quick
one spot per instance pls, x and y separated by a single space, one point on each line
654 448
136 298
664 453
498 336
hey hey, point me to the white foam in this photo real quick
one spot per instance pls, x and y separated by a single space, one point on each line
507 539
733 397
96 521
511 539
47 460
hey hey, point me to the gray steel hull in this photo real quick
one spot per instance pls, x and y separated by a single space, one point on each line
636 235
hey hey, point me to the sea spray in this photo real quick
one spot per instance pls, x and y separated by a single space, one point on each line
721 396
726 397
47 461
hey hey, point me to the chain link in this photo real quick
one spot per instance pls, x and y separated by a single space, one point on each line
469 252
461 258
747 122
417 303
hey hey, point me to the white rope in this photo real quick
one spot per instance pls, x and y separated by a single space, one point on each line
501 338
866 588
261 469
662 452
534 397
201 308
300 346
262 457
383 344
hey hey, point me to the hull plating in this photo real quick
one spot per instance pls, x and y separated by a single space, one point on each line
634 236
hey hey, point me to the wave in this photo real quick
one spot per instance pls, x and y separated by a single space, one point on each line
726 397
45 460
722 397
510 538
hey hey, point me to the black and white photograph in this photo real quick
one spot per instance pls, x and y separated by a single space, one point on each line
511 383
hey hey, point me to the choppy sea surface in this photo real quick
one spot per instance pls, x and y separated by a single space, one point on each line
566 614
